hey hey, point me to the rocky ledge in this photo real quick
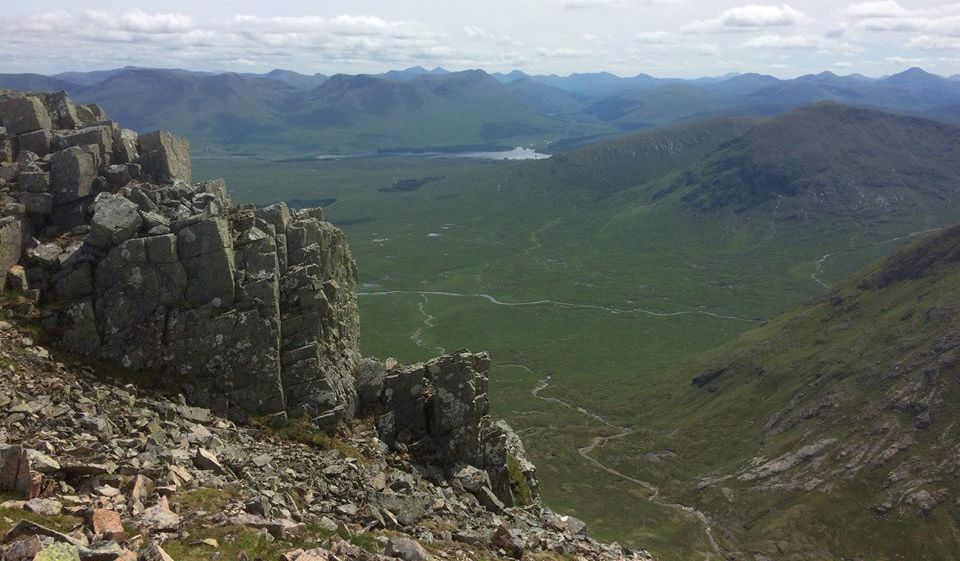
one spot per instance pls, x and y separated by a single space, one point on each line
107 471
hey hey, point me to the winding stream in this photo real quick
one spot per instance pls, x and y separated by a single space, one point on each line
598 307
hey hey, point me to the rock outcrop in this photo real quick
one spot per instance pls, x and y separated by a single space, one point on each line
248 311
440 413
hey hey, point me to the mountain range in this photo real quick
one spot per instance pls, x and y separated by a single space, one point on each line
286 113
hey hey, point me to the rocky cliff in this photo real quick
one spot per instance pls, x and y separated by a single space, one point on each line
245 310
244 313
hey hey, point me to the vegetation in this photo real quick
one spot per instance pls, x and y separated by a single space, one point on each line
302 430
623 279
518 483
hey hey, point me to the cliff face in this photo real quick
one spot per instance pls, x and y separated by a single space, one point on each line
248 311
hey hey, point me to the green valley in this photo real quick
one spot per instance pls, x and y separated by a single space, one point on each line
598 278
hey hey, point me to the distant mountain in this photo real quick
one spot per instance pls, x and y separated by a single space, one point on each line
658 106
831 159
295 79
34 82
544 98
88 78
598 83
215 109
419 108
513 76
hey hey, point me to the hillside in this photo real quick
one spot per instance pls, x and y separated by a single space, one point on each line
839 414
834 159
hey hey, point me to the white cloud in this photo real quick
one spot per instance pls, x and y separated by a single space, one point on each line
138 21
776 41
749 17
882 9
546 52
593 4
654 37
934 43
613 4
891 16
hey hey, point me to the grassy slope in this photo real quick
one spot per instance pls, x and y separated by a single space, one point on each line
603 227
876 349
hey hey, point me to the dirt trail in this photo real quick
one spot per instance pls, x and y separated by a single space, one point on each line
601 441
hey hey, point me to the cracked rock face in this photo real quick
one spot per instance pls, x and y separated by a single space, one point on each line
247 311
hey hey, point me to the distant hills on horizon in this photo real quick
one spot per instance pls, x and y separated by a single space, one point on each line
296 78
283 112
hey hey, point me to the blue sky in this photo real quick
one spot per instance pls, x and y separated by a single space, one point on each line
685 38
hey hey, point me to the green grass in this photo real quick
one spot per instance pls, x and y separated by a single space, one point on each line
646 274
522 495
302 430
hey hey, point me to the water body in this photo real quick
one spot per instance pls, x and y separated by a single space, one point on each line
517 153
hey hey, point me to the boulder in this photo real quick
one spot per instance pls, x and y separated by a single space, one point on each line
97 135
23 114
38 142
106 522
17 279
63 112
115 220
72 173
36 203
14 469
207 460
11 242
401 547
165 157
155 553
160 518
125 146
44 507
370 377
34 181
59 552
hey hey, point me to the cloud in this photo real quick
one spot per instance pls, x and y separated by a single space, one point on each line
593 4
138 21
613 4
748 18
476 32
654 37
891 16
882 9
776 41
546 52
934 43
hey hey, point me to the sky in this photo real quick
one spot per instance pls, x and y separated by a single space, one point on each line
666 38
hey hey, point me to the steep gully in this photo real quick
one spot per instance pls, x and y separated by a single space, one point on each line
599 441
